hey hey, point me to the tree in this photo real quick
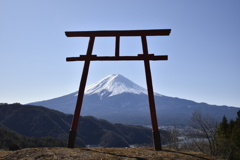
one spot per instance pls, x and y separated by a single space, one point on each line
228 138
222 140
224 143
172 138
235 136
223 127
206 127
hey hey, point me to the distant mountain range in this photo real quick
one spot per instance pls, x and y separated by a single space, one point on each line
119 100
35 121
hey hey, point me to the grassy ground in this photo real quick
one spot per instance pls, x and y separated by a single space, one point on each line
101 154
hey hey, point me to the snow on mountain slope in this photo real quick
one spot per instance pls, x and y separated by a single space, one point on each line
109 86
114 84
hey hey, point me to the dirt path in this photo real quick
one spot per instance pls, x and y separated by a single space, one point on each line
101 154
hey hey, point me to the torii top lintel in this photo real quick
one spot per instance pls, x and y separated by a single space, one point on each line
114 33
117 34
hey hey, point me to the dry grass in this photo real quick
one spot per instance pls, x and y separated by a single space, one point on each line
3 153
102 154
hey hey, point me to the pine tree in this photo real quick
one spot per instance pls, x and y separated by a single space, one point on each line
236 136
223 128
228 138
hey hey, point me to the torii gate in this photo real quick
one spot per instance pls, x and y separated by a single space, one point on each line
144 57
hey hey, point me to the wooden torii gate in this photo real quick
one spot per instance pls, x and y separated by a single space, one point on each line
146 57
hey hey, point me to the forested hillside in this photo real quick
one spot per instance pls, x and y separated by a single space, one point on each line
10 137
35 121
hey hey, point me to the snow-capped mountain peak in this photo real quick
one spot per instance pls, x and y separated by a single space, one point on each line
114 84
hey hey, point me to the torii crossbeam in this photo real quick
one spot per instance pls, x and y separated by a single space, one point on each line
146 57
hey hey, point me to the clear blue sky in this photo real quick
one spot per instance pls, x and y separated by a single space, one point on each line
203 47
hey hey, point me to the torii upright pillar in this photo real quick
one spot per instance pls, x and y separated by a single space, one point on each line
155 131
145 57
73 131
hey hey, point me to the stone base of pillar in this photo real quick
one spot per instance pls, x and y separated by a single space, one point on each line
71 139
157 141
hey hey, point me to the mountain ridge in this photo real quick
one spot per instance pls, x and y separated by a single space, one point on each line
115 97
36 121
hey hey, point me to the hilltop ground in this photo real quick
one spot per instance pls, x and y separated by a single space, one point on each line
101 154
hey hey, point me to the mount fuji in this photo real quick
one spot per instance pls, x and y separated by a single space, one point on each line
119 100
113 85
